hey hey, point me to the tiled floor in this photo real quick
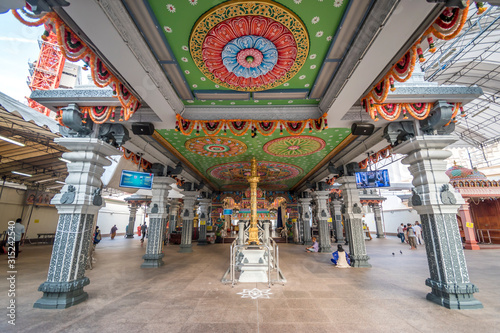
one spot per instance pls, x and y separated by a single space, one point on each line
185 295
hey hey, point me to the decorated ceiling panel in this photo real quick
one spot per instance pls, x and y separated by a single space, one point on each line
224 158
238 47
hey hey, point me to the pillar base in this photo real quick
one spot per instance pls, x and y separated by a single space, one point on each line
62 295
202 242
361 261
325 249
130 236
152 260
307 243
471 246
453 296
185 248
380 236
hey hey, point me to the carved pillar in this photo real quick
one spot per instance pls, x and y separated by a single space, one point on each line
187 221
131 219
336 208
437 206
377 212
352 221
204 211
174 210
306 220
266 225
157 222
468 227
77 205
323 214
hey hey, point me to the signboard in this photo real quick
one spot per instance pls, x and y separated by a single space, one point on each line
203 222
294 220
469 225
36 221
134 179
330 219
228 212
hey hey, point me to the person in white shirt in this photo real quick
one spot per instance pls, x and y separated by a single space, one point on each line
401 232
418 232
19 235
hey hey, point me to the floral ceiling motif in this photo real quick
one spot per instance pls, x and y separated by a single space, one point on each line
249 45
237 172
294 146
214 146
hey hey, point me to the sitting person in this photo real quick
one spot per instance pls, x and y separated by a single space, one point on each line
341 258
314 247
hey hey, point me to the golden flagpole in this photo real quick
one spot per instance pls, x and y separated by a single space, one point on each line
253 231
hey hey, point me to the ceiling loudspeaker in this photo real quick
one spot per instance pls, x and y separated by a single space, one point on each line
143 128
362 129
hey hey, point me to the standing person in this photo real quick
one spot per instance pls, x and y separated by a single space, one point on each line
367 231
418 233
405 233
341 258
401 232
314 247
412 240
113 231
144 228
97 236
18 235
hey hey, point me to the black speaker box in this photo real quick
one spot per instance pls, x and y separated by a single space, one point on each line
143 128
362 129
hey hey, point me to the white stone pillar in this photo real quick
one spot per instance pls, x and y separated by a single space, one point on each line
377 212
77 205
157 222
336 207
353 214
204 217
323 214
187 221
131 219
174 210
306 220
437 207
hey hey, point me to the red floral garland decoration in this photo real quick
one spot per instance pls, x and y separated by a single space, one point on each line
447 26
420 111
74 49
376 157
136 159
239 127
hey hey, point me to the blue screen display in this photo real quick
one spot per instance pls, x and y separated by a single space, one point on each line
228 212
134 179
372 179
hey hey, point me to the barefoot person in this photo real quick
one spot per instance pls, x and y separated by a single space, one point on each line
341 258
314 247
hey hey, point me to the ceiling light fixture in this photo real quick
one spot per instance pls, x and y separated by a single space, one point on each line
64 160
56 186
22 174
46 180
59 182
12 141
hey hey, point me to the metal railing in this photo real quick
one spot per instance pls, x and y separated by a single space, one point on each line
480 233
272 252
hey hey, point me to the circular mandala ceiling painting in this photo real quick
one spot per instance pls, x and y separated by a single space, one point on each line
249 45
237 172
214 146
294 146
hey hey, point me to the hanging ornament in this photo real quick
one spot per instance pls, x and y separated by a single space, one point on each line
281 129
432 46
405 116
177 126
420 54
480 8
391 82
462 112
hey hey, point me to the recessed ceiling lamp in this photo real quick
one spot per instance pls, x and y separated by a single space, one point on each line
12 141
22 174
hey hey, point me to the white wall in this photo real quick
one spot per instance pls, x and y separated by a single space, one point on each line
11 208
117 212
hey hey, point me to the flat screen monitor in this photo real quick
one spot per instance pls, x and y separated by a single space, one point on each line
134 179
372 179
228 212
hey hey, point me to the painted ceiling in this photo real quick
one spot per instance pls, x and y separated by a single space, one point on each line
224 160
247 52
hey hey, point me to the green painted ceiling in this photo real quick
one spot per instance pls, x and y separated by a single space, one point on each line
255 148
177 17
